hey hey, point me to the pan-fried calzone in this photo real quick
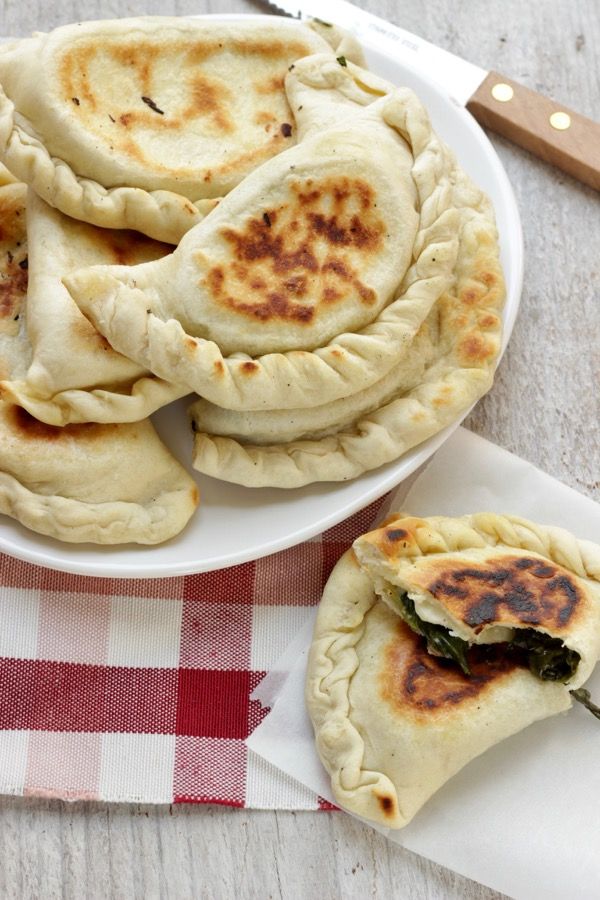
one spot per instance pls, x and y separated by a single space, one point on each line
437 638
141 123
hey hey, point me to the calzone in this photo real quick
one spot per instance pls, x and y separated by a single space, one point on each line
75 375
437 638
447 365
142 123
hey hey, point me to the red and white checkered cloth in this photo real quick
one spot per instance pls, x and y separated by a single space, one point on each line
139 690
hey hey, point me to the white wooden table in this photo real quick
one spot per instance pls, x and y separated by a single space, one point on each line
545 406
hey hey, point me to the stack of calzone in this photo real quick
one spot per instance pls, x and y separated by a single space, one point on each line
339 306
240 211
435 639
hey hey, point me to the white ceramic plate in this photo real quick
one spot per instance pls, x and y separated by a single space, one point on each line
235 524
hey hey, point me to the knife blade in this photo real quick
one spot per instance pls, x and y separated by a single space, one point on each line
549 130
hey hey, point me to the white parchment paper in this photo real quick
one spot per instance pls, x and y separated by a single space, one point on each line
523 818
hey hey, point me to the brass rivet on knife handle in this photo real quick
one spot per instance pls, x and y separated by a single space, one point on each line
502 92
560 120
559 136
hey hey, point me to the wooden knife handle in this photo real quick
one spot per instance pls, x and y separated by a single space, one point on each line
545 128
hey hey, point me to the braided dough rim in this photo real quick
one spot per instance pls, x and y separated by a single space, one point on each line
73 406
332 657
297 378
445 534
316 422
113 522
163 215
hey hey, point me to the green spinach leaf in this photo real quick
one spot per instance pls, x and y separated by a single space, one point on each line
584 697
547 656
439 640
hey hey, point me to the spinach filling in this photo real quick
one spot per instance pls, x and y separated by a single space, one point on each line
546 656
439 640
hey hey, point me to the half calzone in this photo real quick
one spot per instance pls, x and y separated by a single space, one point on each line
437 638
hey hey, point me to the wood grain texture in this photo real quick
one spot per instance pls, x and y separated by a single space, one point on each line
525 118
545 406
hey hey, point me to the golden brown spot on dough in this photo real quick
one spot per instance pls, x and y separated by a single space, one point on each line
216 278
140 56
12 213
394 541
276 306
209 98
396 534
124 247
280 272
474 348
367 294
272 85
510 590
489 321
249 367
297 284
470 296
133 150
74 80
241 271
444 396
13 289
460 321
386 803
337 266
412 680
195 495
137 68
263 117
84 330
13 257
31 428
274 49
339 354
219 367
191 343
201 49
